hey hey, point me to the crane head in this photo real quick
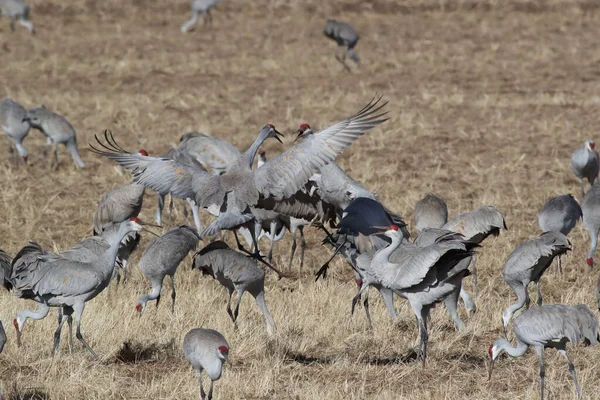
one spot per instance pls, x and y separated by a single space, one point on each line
303 132
359 282
271 132
18 326
590 262
139 308
590 144
143 152
223 352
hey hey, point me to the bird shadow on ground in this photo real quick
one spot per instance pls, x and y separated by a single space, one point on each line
306 359
135 352
21 393
468 360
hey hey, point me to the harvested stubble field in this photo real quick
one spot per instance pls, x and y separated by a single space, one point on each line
487 101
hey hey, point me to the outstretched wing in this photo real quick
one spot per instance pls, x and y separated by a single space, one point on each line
164 175
287 173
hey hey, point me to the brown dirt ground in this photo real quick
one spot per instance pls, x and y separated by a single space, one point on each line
487 101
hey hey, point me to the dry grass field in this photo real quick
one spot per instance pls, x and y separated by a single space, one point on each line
487 100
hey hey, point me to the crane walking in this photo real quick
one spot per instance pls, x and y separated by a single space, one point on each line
207 350
527 263
235 272
68 279
57 131
549 326
585 163
346 37
162 257
200 6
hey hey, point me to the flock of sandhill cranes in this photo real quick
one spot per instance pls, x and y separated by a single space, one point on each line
301 187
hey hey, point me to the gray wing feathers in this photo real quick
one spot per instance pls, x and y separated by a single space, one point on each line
476 225
430 212
285 174
118 205
526 256
171 248
5 269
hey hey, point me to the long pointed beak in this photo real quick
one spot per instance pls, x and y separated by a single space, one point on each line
277 136
149 231
300 133
491 369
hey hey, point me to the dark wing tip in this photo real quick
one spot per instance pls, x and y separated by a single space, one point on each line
216 245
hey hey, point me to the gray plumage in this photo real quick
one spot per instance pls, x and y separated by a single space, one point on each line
212 152
590 206
207 350
198 7
241 187
57 131
549 326
16 10
235 272
476 226
560 214
12 116
430 212
162 257
5 270
424 276
116 206
181 155
68 279
345 36
585 163
2 340
527 263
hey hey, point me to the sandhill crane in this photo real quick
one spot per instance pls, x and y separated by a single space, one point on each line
549 326
2 341
200 6
236 272
346 37
162 257
11 122
430 212
590 206
527 263
241 187
424 276
207 350
560 214
5 270
116 206
215 153
180 155
585 163
57 131
476 226
68 279
16 10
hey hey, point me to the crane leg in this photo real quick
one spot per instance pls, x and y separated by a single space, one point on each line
422 320
57 334
367 312
356 298
196 214
572 372
582 187
539 293
560 268
173 294
302 246
78 308
539 351
45 153
159 208
273 227
237 306
229 305
171 207
262 305
293 232
70 322
202 394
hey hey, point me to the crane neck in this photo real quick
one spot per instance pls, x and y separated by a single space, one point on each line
513 351
383 255
250 154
